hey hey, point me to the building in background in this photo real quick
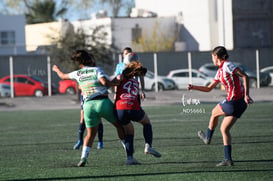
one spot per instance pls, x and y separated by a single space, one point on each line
154 26
12 34
41 36
201 24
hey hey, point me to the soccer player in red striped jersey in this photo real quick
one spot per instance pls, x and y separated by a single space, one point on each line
232 107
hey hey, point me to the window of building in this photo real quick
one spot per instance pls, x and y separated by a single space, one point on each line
7 37
136 33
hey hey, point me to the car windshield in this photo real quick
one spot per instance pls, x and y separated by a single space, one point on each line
150 74
212 67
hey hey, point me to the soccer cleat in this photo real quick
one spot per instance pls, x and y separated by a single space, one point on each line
78 145
225 163
203 137
150 150
100 145
82 162
132 161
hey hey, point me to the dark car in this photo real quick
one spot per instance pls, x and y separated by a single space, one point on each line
210 70
25 85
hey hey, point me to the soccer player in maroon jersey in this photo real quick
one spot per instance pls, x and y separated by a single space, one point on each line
128 109
232 107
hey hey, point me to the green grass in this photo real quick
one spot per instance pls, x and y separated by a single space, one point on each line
37 145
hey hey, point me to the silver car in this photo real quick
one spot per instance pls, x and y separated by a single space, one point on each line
164 83
270 71
181 78
210 70
5 90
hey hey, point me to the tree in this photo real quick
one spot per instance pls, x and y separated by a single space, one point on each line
81 8
117 5
92 42
43 11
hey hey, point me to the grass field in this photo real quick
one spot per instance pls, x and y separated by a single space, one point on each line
37 145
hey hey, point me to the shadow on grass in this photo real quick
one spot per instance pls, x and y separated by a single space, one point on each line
233 170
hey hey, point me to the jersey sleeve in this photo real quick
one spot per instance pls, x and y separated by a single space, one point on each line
217 77
100 73
73 75
229 67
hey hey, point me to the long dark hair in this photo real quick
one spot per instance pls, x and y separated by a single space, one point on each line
83 57
221 52
134 69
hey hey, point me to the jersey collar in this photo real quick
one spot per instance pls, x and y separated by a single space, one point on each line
222 63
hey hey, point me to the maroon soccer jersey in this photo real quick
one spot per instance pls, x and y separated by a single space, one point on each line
127 95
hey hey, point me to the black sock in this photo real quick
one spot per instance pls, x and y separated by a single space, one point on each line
227 152
129 143
148 133
100 132
209 133
81 131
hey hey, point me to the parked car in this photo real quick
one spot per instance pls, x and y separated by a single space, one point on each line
210 70
26 85
5 90
181 78
164 83
270 71
68 87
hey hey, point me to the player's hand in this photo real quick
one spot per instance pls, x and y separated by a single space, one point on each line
55 68
190 87
248 100
119 77
143 96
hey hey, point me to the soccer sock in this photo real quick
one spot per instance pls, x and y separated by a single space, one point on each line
100 132
81 131
148 133
227 152
129 143
209 133
85 151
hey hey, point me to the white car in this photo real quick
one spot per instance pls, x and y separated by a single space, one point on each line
164 83
270 71
5 90
181 78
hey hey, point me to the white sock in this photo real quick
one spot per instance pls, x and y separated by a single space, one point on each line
85 151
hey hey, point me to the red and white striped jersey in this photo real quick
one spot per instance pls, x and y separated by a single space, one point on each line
230 80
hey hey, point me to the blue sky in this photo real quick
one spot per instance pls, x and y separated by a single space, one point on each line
73 14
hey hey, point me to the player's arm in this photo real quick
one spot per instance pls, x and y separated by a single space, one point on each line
62 75
208 88
142 86
243 75
115 82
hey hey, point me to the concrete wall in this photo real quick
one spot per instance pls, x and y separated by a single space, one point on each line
122 30
42 34
253 23
14 23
